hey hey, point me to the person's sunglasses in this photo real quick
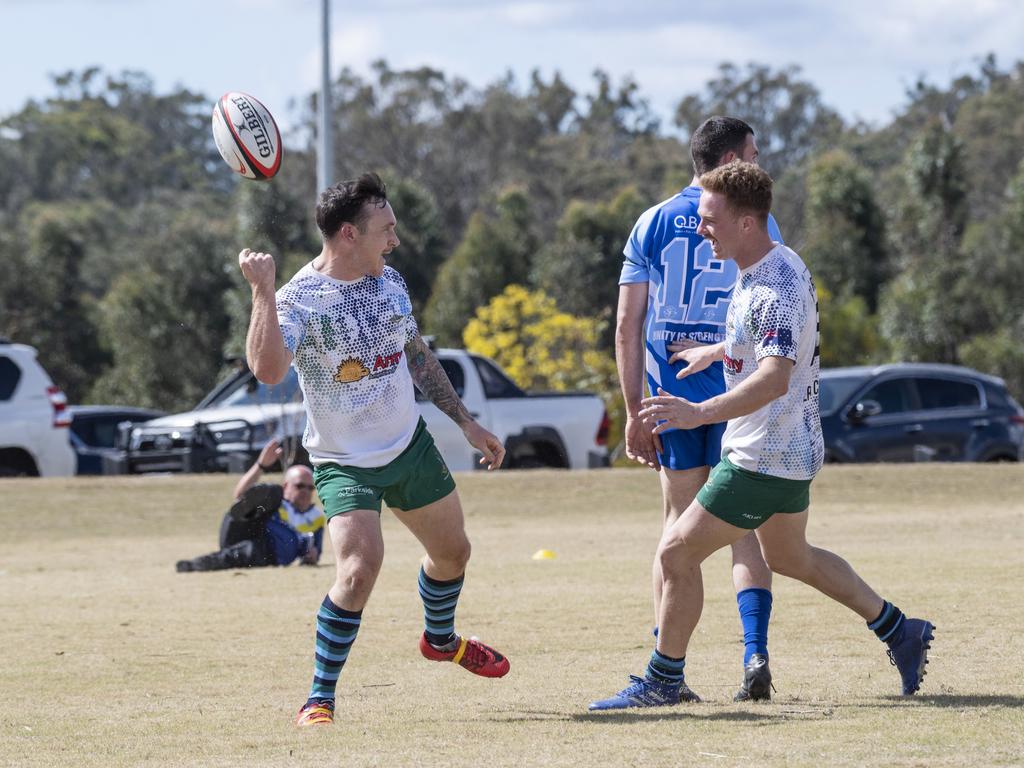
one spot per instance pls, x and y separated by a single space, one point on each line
304 486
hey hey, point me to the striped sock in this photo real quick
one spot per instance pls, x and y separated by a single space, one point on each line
336 630
889 624
439 601
664 669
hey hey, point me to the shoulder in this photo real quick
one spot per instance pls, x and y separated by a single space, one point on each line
303 281
394 277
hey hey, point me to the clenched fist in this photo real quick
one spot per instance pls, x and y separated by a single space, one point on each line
258 268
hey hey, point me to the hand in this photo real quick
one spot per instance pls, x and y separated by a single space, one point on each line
642 445
270 454
697 356
489 445
670 412
258 268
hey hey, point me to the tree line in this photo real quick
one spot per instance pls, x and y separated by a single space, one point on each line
120 224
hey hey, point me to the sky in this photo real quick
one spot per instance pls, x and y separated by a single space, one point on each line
862 56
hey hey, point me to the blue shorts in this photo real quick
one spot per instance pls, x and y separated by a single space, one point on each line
692 448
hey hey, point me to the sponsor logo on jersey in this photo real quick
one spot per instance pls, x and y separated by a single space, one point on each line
386 363
355 490
732 365
353 369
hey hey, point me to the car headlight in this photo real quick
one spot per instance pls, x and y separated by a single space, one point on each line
230 434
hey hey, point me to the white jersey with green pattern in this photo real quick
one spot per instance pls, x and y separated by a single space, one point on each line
774 312
348 339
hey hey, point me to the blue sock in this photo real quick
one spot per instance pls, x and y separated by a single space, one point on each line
755 609
336 630
664 669
439 601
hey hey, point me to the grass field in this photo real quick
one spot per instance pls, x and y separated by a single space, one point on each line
110 658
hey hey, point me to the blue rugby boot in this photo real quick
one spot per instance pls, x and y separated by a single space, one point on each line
909 654
644 692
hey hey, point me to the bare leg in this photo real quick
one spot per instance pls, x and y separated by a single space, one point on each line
358 553
441 530
749 570
784 540
685 545
678 489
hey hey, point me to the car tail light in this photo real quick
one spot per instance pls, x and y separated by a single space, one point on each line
59 401
1017 418
602 431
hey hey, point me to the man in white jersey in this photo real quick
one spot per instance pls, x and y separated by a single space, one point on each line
345 322
771 450
672 290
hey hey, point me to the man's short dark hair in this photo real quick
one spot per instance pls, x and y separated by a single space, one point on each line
713 138
746 187
348 201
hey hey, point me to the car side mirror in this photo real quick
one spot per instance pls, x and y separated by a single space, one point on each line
863 410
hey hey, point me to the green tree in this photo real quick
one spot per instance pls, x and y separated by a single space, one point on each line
422 251
165 323
580 267
42 298
787 114
845 242
849 332
921 311
496 250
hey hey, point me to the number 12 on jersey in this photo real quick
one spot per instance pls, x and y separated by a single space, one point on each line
695 286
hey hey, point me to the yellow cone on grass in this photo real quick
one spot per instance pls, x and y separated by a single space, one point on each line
543 554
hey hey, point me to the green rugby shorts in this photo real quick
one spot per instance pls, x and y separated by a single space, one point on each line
417 477
746 499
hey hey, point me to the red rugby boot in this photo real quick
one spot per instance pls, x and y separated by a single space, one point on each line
471 654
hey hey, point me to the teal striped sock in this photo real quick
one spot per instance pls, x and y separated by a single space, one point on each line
439 601
889 624
336 630
664 669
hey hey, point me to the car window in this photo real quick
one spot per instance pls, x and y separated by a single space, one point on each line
97 432
10 375
836 390
947 393
249 391
496 384
456 376
893 395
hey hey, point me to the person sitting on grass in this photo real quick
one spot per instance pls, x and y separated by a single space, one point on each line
269 524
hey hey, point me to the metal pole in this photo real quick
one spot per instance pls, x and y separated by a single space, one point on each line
325 153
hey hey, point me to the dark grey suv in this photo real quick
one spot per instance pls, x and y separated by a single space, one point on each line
918 412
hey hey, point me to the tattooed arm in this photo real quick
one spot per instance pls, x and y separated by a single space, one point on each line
432 381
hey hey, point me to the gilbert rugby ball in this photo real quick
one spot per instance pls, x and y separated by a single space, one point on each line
247 136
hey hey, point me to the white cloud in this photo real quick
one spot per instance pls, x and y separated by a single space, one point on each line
537 14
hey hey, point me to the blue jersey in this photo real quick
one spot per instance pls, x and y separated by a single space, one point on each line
689 291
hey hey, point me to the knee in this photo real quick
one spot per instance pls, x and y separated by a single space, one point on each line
456 556
676 559
356 577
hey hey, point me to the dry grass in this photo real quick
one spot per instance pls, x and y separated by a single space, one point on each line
112 659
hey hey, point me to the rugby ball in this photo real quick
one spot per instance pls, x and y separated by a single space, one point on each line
247 136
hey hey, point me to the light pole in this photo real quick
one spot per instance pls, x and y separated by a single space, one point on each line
325 150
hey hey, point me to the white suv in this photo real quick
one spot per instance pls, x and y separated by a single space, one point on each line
34 418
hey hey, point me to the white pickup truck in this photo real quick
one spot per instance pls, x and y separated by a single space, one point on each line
227 429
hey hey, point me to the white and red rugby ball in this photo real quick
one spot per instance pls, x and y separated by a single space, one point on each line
247 136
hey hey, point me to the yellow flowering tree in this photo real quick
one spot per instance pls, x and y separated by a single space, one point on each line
539 346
